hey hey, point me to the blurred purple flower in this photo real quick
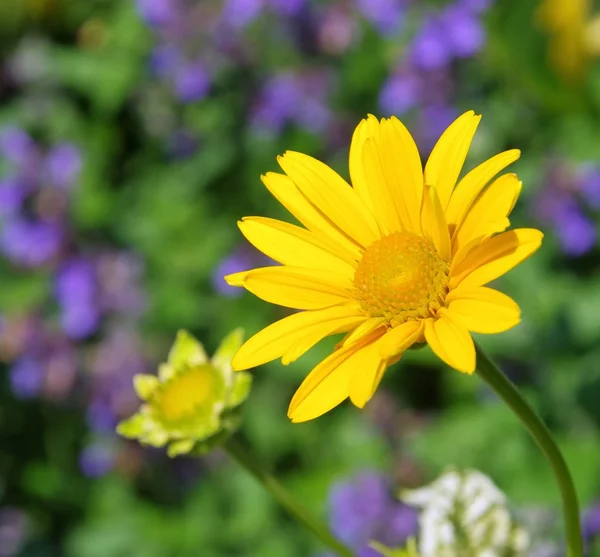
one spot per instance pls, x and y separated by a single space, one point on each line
26 377
399 93
239 260
31 243
386 15
63 165
590 524
192 82
12 195
76 291
165 58
17 146
277 102
576 232
287 7
101 417
363 510
430 49
97 460
119 283
337 29
475 6
588 184
357 508
240 13
14 527
157 13
464 32
299 98
433 121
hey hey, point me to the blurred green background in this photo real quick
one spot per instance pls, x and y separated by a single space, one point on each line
132 138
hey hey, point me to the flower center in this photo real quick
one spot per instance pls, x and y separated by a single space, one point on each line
401 277
185 394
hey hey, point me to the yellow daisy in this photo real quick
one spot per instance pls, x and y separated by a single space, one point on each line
399 258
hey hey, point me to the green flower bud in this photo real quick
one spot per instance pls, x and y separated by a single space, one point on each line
193 403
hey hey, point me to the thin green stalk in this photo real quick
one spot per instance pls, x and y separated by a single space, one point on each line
505 389
284 497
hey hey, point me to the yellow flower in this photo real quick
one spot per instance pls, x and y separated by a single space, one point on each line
192 403
402 257
566 23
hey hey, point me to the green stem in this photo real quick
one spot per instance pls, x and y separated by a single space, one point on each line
503 387
284 497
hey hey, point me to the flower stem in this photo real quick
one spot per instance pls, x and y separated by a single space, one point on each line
505 389
284 497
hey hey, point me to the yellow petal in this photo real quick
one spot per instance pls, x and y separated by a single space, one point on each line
295 287
332 195
483 310
236 279
494 257
434 223
287 193
297 333
365 328
326 386
451 342
368 372
145 385
489 214
402 156
292 245
472 184
368 127
400 338
384 204
448 155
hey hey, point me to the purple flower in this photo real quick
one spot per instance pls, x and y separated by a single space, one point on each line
119 289
399 94
101 417
464 32
192 83
26 377
433 121
239 260
165 58
576 232
358 507
590 525
96 460
17 146
386 15
588 183
14 528
63 165
12 195
475 6
76 291
287 7
240 13
76 281
363 510
277 102
158 13
31 243
430 49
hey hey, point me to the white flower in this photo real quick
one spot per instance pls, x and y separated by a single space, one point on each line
463 513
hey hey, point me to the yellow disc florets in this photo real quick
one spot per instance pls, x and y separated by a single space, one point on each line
401 277
183 396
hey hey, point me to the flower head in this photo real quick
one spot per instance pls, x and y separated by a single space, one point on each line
464 513
400 258
192 400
